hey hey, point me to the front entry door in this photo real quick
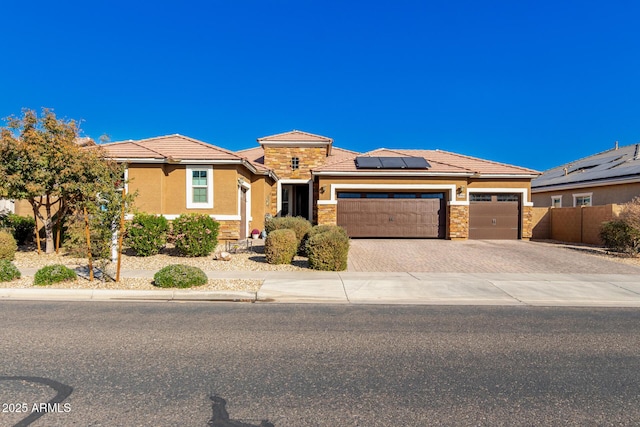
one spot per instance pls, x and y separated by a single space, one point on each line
295 200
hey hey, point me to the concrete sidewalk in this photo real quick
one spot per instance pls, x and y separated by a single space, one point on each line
586 290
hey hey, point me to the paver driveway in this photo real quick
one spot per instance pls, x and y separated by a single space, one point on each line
476 256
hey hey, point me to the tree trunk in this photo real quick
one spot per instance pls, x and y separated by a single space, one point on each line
48 228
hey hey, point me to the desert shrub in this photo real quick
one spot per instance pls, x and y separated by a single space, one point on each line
327 248
630 213
179 276
147 234
22 227
618 235
8 271
195 234
8 245
298 224
53 274
280 246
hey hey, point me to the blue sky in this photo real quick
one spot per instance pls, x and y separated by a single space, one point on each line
530 83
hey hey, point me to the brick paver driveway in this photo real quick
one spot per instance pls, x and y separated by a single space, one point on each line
477 256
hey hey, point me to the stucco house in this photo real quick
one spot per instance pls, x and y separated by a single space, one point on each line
382 193
396 193
609 177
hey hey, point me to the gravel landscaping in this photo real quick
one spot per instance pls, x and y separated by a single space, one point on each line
252 260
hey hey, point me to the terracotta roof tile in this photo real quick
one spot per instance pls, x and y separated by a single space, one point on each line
440 161
175 147
295 136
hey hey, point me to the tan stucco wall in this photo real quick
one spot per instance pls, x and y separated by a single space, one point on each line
162 189
605 195
261 192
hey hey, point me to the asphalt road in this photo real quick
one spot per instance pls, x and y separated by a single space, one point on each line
160 364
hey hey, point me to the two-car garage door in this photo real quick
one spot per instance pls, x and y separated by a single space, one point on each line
392 215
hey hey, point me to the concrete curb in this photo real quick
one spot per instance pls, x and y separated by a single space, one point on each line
119 295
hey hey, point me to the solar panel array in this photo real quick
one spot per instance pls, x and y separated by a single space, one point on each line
392 163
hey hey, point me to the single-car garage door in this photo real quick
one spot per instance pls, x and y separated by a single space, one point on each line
420 215
494 216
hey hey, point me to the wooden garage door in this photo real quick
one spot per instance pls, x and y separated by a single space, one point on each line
494 216
420 217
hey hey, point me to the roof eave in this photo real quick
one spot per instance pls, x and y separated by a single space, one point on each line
583 184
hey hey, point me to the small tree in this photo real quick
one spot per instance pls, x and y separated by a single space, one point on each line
40 162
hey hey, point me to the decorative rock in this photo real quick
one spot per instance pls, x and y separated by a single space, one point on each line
222 256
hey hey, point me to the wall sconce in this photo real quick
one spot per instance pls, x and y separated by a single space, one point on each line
460 191
323 189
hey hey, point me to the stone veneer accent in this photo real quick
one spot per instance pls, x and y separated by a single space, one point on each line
279 159
527 222
458 222
229 230
328 214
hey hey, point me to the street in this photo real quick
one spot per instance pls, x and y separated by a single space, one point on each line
239 364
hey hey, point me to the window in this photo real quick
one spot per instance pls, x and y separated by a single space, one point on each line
582 199
199 187
295 163
556 201
507 198
479 197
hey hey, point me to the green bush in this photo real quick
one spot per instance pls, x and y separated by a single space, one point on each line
147 234
280 246
8 271
619 236
328 248
21 227
8 245
298 224
53 274
195 234
179 276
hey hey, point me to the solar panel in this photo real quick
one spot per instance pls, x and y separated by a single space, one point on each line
392 163
416 162
368 163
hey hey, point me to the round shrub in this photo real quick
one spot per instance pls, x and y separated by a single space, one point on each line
298 224
53 274
280 246
22 227
328 248
8 271
179 276
619 236
195 234
8 246
147 234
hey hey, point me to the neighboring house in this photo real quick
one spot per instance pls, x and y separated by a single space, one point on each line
609 177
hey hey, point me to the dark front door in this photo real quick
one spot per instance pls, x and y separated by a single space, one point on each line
295 200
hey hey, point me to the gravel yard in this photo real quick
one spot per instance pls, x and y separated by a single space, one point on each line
252 260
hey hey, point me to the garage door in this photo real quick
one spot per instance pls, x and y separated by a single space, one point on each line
392 215
494 216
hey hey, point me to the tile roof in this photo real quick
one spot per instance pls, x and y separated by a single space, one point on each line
170 147
296 136
617 163
440 161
